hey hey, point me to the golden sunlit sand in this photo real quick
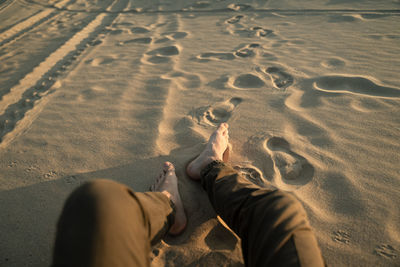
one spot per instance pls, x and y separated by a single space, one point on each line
112 89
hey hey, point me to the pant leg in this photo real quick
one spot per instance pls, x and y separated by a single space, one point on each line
272 223
105 223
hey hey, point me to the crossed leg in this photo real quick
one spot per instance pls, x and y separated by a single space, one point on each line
272 223
104 223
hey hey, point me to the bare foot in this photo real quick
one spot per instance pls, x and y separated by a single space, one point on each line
217 149
167 183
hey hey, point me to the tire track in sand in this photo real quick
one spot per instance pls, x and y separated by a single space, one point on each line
30 23
24 102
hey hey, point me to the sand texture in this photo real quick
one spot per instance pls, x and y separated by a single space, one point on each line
111 89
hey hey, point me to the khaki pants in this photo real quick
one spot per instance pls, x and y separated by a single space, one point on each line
104 223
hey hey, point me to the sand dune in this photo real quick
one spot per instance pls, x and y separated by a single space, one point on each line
111 89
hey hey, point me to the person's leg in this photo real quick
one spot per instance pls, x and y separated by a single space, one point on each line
272 224
105 223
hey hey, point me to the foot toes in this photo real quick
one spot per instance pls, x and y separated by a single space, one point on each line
168 167
226 134
223 127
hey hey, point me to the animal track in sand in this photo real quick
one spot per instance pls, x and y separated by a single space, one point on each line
386 251
218 113
292 168
341 237
248 80
353 85
280 78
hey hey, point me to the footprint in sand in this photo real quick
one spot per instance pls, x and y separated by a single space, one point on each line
386 251
279 78
218 113
162 40
248 80
175 35
341 237
253 31
239 7
353 85
244 52
165 51
91 93
116 32
204 57
261 32
247 51
100 61
291 167
145 40
139 30
162 55
220 83
333 63
234 19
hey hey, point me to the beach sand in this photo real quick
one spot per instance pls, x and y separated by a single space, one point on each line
112 89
